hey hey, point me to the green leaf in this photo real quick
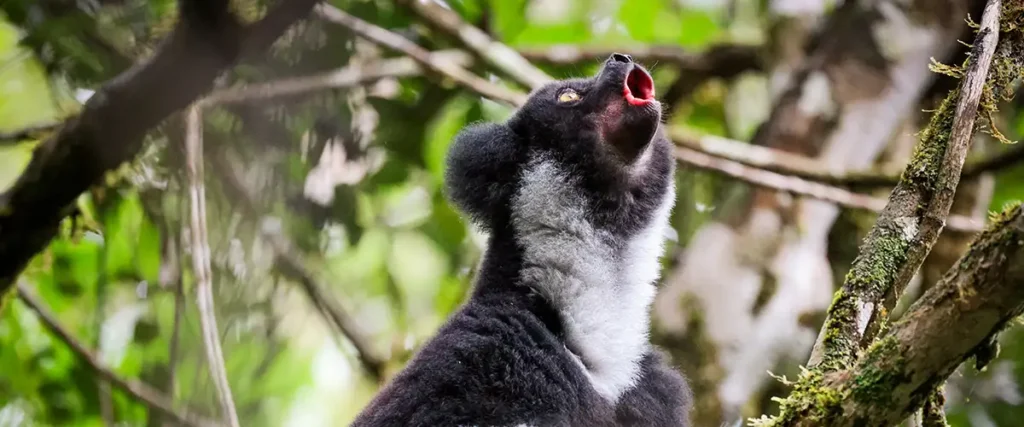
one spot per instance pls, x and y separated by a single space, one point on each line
13 159
25 95
148 253
541 35
364 260
700 27
75 265
469 10
441 130
507 17
25 100
446 226
417 265
642 18
121 224
394 171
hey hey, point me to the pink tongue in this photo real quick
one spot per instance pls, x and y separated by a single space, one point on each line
638 89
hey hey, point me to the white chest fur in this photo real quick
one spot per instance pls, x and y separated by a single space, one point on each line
603 294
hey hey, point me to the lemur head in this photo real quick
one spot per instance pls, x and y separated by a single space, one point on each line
604 132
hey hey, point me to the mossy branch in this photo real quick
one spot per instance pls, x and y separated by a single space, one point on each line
918 207
901 370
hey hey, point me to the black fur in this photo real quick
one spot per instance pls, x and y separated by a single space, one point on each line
502 360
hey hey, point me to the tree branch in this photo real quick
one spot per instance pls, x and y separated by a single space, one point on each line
140 391
790 184
201 263
436 65
898 373
496 54
812 169
914 216
112 124
350 76
725 60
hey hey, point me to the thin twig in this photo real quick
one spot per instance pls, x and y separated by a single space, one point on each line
435 64
175 280
140 391
353 75
905 232
103 388
201 263
717 60
496 54
791 184
812 169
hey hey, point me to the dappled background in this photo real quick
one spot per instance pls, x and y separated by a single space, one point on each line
331 250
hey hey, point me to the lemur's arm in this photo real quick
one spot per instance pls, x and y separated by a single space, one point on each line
660 398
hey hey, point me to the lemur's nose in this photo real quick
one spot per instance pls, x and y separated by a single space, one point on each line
621 57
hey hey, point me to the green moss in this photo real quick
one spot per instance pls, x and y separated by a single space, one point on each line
875 270
997 219
882 371
926 162
811 400
932 413
839 348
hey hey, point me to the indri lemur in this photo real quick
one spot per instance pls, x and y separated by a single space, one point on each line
575 191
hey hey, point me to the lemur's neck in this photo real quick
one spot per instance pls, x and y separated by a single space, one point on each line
599 280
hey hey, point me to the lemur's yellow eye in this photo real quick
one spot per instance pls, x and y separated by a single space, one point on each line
568 95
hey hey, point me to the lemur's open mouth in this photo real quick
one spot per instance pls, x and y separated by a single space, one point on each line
638 87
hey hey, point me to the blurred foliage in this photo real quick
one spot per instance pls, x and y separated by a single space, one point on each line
385 242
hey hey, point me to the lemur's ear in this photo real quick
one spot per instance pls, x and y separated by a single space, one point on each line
482 164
